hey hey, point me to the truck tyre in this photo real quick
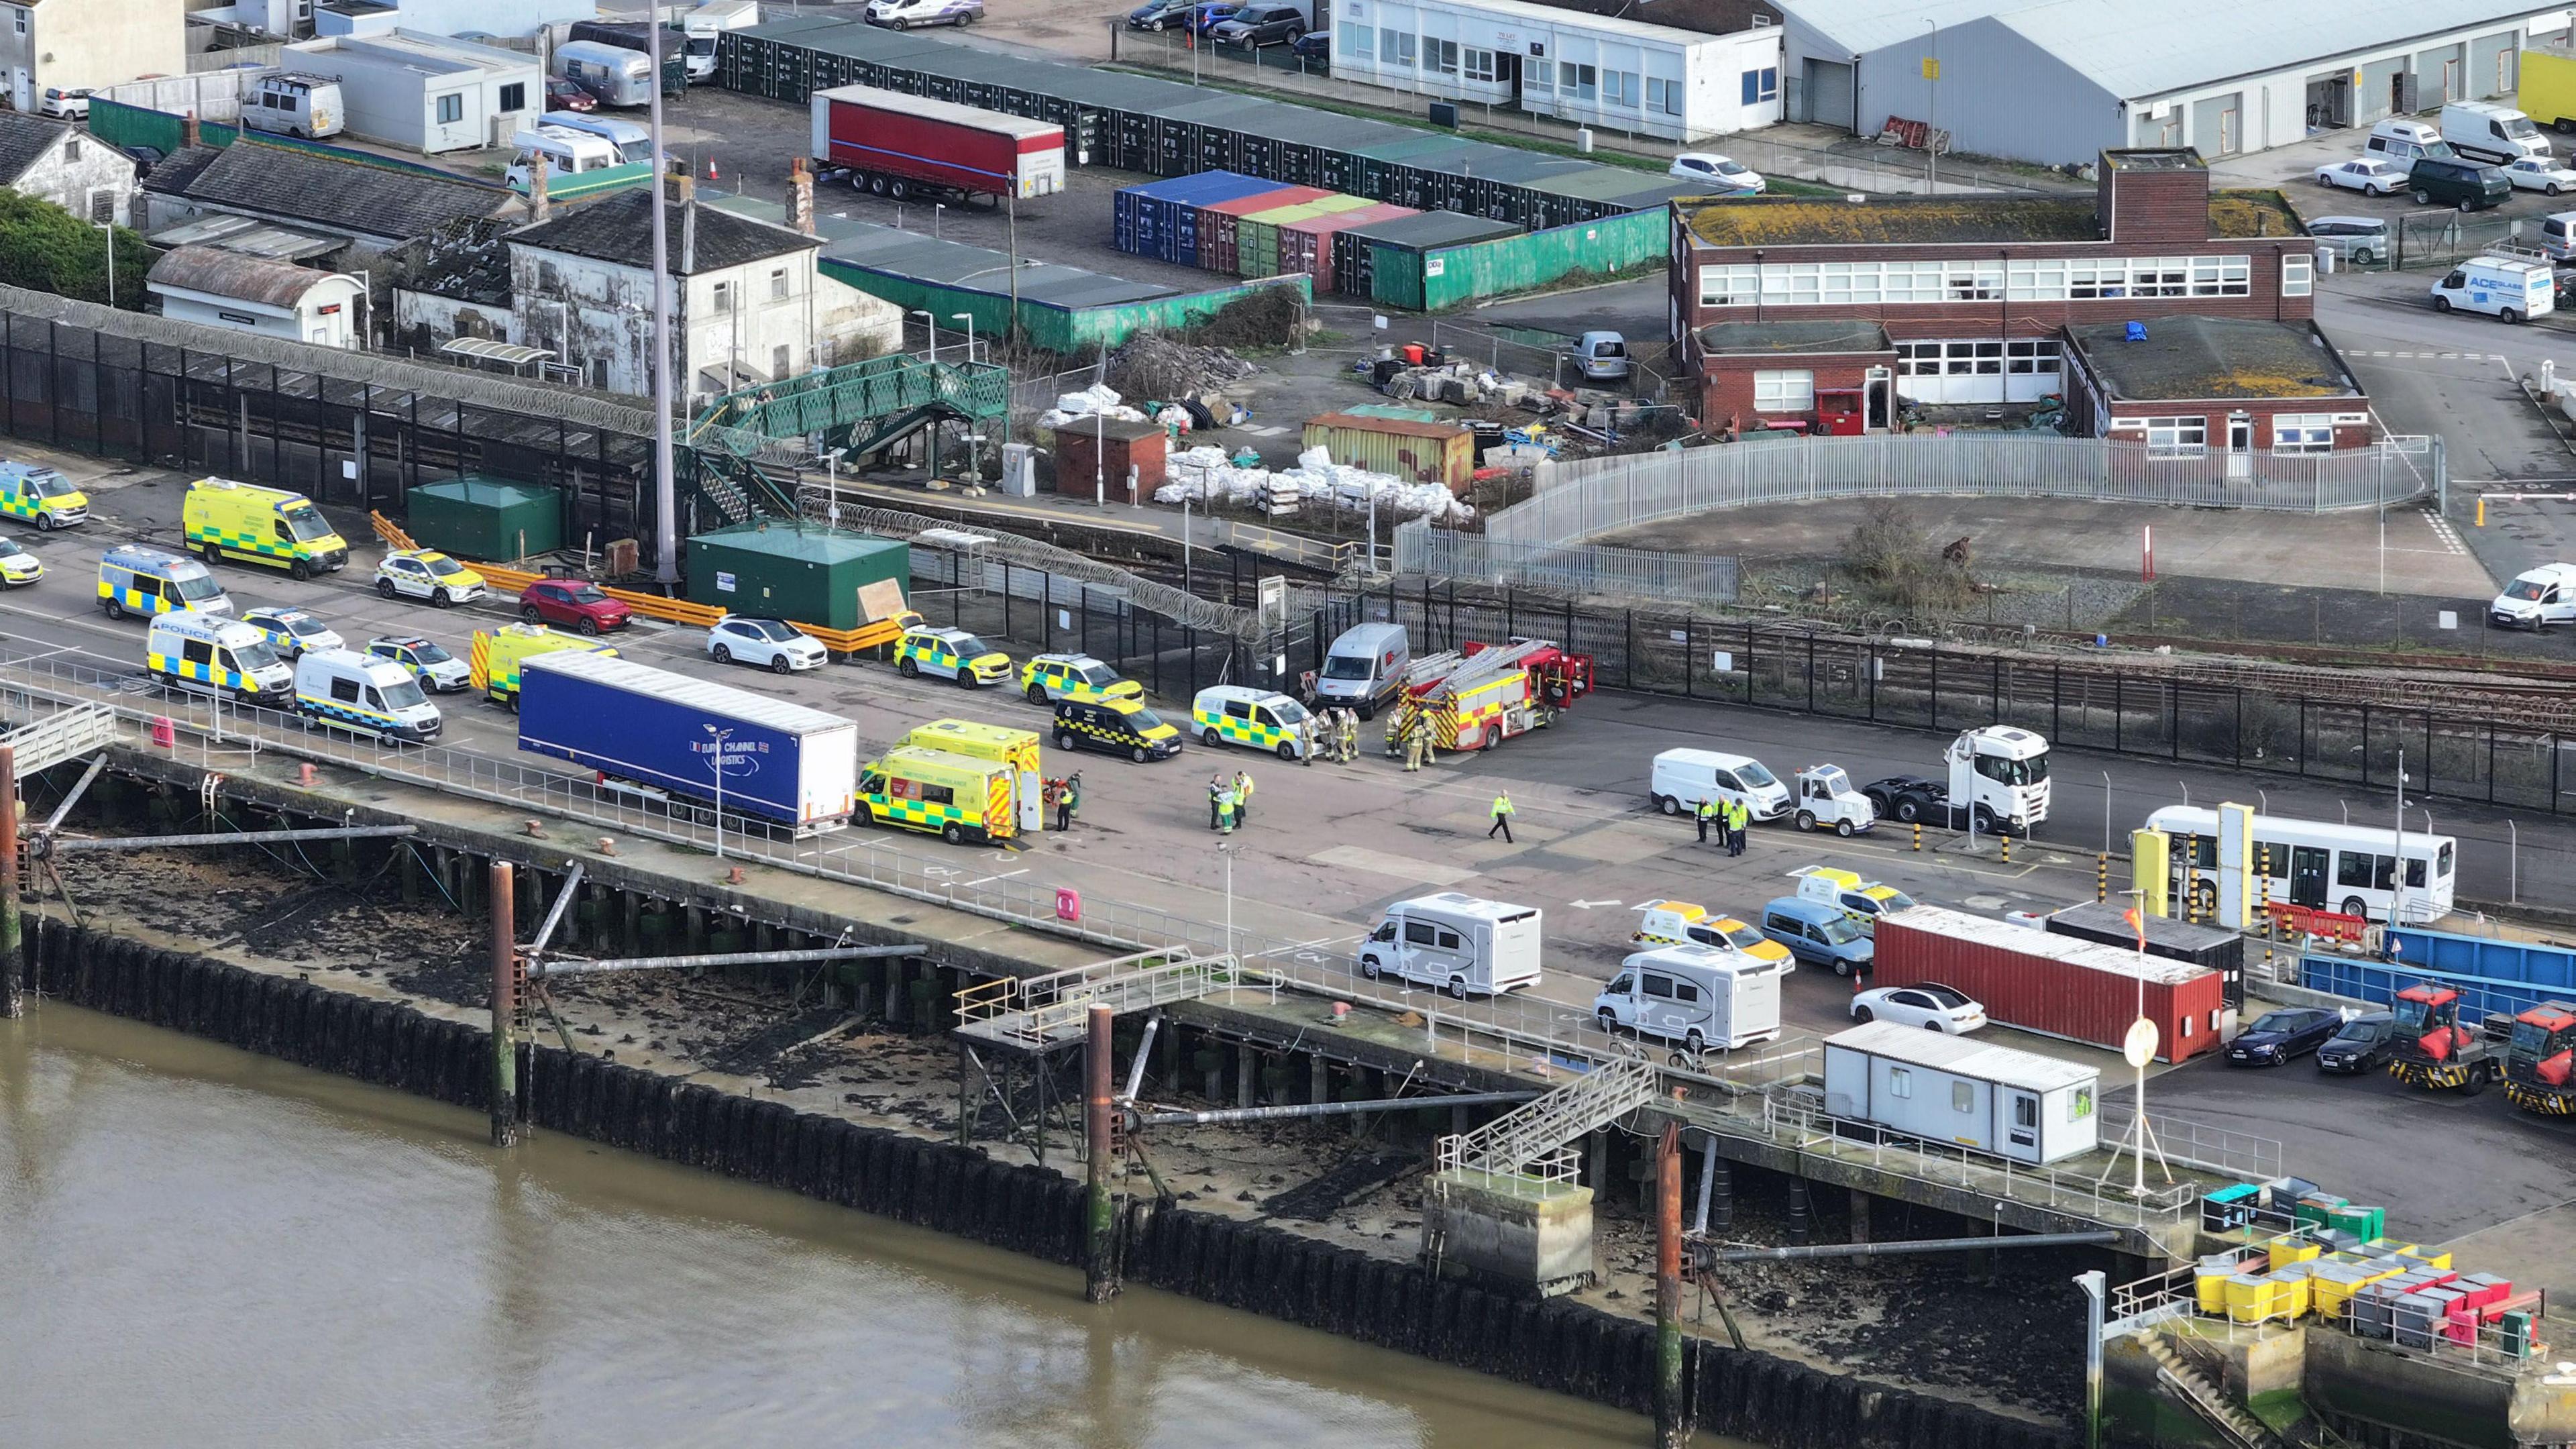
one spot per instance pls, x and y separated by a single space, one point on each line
1864 1015
907 669
1457 988
898 188
1806 821
1985 821
2352 906
2479 1075
1668 805
876 186
2441 304
953 833
1493 737
1909 808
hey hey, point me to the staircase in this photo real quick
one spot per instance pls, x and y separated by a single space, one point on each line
2207 1399
1036 1012
70 734
1539 1132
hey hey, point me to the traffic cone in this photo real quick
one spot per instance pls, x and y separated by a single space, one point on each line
711 168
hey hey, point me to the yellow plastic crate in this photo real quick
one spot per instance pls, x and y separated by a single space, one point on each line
2290 1250
2293 1296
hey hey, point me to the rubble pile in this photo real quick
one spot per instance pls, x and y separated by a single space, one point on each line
1151 364
1204 475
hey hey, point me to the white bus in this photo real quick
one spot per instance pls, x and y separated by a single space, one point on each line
2350 869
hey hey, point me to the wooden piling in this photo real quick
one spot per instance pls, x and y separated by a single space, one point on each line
1100 1213
13 999
505 1007
1672 1427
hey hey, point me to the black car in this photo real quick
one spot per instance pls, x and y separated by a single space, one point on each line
2277 1036
1315 46
2364 1045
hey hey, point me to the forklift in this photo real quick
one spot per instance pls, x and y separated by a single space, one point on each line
2541 1061
2433 1049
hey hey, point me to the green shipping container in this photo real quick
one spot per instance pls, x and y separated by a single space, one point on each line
1428 281
1256 237
492 519
804 573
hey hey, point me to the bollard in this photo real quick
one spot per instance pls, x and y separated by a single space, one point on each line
505 1008
2007 840
2102 876
1100 1212
1798 1212
13 991
1918 835
2482 512
1672 1429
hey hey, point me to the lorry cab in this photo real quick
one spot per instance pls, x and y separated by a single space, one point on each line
494 658
1602 356
295 105
2002 773
2491 132
2509 288
1257 719
208 654
1683 778
344 689
2536 599
1455 943
2540 1062
1119 726
962 801
1816 932
133 579
1702 997
1364 668
561 150
1824 797
1680 923
41 496
1863 901
272 526
951 654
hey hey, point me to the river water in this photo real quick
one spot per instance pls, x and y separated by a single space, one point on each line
200 1246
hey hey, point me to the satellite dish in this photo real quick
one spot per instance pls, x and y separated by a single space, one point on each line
2139 1046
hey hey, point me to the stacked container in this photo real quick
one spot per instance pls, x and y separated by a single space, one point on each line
1257 233
1220 225
1307 246
1357 245
1160 218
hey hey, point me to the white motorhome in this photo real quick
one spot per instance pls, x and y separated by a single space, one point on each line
1364 668
2404 141
1702 997
561 152
1456 943
1960 1090
2536 598
2510 288
709 21
613 74
1683 778
633 142
2488 131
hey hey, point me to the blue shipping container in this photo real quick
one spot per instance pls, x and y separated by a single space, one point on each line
1159 218
2378 983
647 726
2551 967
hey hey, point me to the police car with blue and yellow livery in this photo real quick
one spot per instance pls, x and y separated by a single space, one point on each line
343 689
272 526
438 671
41 496
292 631
1257 719
133 579
1120 726
206 654
1054 678
951 654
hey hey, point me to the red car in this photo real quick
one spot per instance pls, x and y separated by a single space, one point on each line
577 604
563 95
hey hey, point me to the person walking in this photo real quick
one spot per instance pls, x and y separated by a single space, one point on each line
1502 816
1242 796
1707 813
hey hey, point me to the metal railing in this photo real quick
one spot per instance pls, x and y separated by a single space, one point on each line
2172 1298
1540 1129
69 735
1584 570
1039 1008
2199 1145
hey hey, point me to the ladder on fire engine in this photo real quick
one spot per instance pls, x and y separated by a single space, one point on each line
1458 673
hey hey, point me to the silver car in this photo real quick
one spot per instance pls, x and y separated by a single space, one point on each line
2363 240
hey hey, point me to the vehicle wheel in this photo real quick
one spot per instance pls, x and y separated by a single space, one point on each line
2365 256
2467 205
2326 182
1985 820
1609 1023
1493 737
2352 906
722 654
1367 711
876 186
1863 1015
2441 304
589 627
1909 808
1843 828
1932 1026
528 615
907 669
898 188
965 678
2552 188
1063 740
1037 694
299 571
1368 967
1457 988
1806 821
778 664
2204 894
2510 315
953 833
2423 198
2564 125
1209 738
1138 753
1668 805
114 609
442 599
1288 749
2479 1076
45 523
210 553
1694 1044
1842 968
385 590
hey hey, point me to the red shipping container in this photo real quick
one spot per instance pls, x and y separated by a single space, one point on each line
1307 246
2051 984
1216 223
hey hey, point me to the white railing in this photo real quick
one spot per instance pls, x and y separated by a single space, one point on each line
67 735
2199 1145
1542 1127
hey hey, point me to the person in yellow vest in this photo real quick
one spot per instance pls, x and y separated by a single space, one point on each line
1228 804
1242 796
1412 747
1737 818
1216 801
1707 816
1502 816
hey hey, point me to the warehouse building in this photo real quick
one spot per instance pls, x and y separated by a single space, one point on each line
2054 81
427 93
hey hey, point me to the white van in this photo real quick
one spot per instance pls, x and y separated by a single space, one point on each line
1700 996
1602 356
2403 140
1683 778
296 105
2489 131
364 694
561 152
210 654
613 74
1364 667
1456 943
2506 287
633 142
2536 598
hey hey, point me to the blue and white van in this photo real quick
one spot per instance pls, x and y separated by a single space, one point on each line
2508 287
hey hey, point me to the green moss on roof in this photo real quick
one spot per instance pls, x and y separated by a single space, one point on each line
2250 213
1754 221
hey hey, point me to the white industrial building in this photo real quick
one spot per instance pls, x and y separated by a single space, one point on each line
76 43
426 93
2058 81
508 18
254 294
1592 70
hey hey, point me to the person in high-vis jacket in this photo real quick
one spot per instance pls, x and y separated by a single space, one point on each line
1708 815
1502 816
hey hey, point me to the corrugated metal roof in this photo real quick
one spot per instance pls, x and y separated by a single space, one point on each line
914 257
1434 229
249 236
219 273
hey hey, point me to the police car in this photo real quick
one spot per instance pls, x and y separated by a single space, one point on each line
292 631
437 670
1120 726
1056 677
422 573
17 566
951 654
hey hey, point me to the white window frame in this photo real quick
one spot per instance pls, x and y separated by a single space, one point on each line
2171 437
1359 41
1478 65
1583 80
452 101
2298 275
1622 88
1395 47
720 298
1663 97
1900 1083
1439 57
1784 390
2303 433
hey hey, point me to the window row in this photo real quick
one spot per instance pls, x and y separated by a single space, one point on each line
1626 89
2181 437
1969 359
1848 284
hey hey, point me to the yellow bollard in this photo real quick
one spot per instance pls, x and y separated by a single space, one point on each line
1918 835
2482 513
2102 876
2007 840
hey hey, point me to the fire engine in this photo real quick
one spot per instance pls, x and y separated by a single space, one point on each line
1480 696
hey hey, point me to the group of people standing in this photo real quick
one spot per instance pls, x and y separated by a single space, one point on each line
1730 817
1333 734
1229 801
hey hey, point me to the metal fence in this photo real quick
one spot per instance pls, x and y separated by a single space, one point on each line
1585 570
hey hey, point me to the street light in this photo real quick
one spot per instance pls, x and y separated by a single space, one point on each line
832 463
969 319
936 208
934 330
110 228
716 751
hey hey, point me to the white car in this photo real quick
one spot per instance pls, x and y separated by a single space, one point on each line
905 14
774 644
424 573
1933 1008
1723 172
2541 173
2367 176
71 104
292 631
17 566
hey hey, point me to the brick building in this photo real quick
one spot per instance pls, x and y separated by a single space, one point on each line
2193 386
1974 301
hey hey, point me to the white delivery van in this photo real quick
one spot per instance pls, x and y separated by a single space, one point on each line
2536 598
1683 778
1701 997
1456 943
210 654
295 105
2404 140
1364 668
1951 1089
344 689
2489 131
562 152
2505 287
633 142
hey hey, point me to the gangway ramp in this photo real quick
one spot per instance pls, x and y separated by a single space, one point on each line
1536 1138
1036 1014
72 733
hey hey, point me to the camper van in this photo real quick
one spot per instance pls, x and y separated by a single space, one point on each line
617 76
2405 141
1364 668
633 142
561 151
2491 132
1702 997
295 105
344 689
1960 1090
209 654
1455 943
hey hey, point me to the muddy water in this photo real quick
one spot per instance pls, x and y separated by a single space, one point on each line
205 1247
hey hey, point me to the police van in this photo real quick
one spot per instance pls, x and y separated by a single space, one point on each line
343 689
133 579
958 799
1120 726
951 654
208 654
272 526
1257 719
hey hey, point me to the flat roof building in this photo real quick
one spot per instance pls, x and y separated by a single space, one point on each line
427 93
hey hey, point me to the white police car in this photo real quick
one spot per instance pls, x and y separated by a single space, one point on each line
292 631
437 670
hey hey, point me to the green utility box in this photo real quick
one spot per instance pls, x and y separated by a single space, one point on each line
493 519
801 572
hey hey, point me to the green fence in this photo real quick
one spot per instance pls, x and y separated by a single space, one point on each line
597 182
862 392
1056 328
1443 277
119 124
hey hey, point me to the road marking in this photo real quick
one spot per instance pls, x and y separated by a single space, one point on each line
1587 905
1379 862
1024 870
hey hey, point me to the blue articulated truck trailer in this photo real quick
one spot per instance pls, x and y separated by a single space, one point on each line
662 731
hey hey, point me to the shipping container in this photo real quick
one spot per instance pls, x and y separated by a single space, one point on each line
1353 247
1257 233
649 727
1148 220
1217 222
894 138
2222 951
493 519
2051 984
1430 279
801 572
1307 246
1094 458
1442 453
1963 1090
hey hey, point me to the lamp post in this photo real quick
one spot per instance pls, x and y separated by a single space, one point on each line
933 323
110 228
936 209
832 486
666 507
969 319
1932 122
716 752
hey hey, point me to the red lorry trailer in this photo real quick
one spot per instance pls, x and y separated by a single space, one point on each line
900 146
2044 982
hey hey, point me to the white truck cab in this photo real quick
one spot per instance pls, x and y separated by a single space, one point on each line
2536 598
1455 943
1824 797
2512 288
2001 773
1701 997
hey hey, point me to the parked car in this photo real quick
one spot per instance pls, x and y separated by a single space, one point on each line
1601 356
143 157
2361 239
563 95
773 644
1259 25
69 104
2277 1036
576 604
438 671
1723 172
425 573
2368 175
2541 173
2364 1045
905 14
1314 45
2467 185
18 567
292 631
1197 15
1819 933
1934 1008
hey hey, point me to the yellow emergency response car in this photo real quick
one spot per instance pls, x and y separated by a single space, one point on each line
272 526
1862 900
1054 678
1679 923
1257 719
496 654
951 654
41 496
958 799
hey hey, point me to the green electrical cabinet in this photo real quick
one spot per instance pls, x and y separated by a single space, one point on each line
801 572
492 519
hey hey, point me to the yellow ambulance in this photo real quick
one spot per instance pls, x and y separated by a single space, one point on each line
958 799
272 526
992 744
496 655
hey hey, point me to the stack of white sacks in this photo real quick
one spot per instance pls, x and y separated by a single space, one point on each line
1099 399
1202 474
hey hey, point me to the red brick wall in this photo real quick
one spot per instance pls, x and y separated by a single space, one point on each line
2156 207
1727 382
